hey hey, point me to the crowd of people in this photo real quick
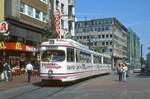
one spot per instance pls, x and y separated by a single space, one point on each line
122 71
7 73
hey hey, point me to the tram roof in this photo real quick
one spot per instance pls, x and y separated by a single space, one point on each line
70 42
64 42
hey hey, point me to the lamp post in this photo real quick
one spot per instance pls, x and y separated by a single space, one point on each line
141 59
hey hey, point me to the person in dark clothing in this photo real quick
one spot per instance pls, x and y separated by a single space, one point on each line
119 70
6 69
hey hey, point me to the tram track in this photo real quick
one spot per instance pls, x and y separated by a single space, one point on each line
48 90
27 92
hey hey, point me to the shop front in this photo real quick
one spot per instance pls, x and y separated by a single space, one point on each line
17 54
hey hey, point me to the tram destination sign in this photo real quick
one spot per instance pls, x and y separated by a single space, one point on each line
52 47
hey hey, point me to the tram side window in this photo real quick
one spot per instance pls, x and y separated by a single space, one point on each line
97 59
107 60
70 55
85 57
77 56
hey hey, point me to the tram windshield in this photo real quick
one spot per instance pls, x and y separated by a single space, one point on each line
53 56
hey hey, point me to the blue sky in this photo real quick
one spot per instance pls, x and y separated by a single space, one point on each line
132 13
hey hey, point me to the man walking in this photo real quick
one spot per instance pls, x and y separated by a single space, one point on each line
29 69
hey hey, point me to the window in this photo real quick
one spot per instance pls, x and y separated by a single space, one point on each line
37 14
95 43
99 36
97 59
62 24
106 35
57 4
110 35
110 49
44 1
107 60
103 36
103 43
110 43
62 8
85 57
44 17
70 55
53 56
106 43
30 11
22 7
106 28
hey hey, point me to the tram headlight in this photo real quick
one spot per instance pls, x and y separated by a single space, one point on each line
50 72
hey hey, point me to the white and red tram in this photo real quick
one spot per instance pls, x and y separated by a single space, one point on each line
68 60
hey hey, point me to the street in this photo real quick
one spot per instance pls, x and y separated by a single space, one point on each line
101 87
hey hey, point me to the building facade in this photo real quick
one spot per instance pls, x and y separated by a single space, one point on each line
27 23
133 50
62 18
148 62
106 35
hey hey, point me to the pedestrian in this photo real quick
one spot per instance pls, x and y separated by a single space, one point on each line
124 75
6 69
119 71
29 69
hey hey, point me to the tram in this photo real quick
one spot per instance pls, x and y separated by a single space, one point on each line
68 60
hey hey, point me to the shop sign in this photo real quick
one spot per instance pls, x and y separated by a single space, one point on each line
30 48
18 46
57 22
3 27
2 45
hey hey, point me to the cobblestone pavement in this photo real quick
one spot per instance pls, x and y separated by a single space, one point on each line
17 82
102 87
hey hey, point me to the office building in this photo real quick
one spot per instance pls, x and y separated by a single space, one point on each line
105 35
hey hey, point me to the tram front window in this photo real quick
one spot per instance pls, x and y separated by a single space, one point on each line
53 56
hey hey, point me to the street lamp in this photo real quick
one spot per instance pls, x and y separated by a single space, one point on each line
141 59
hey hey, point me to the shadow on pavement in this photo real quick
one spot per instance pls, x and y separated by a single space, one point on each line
58 83
53 83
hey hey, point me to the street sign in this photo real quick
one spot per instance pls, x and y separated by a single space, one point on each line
3 27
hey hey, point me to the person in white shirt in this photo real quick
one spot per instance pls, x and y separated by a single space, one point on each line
29 69
125 68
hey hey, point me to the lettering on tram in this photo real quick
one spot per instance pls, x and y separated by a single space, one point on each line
68 60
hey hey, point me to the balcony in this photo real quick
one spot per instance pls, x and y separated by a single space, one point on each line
71 17
71 2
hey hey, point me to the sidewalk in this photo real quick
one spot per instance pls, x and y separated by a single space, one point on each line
17 82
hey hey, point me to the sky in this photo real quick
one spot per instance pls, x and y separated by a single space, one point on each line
134 14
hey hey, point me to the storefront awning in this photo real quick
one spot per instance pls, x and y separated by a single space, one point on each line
17 46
